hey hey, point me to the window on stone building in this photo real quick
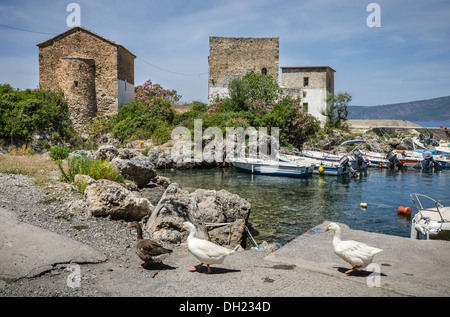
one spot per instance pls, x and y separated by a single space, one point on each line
75 84
264 71
305 81
305 107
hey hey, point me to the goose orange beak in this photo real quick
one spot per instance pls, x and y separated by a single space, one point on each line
182 228
327 229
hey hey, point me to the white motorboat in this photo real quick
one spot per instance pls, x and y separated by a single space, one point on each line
426 159
376 159
356 160
272 167
432 219
320 167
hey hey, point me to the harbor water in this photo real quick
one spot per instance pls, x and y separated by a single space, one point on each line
284 208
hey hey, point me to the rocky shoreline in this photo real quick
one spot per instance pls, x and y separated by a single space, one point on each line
245 274
59 208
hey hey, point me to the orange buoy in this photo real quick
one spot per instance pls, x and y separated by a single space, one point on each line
404 210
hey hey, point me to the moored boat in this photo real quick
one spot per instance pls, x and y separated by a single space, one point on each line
432 219
320 167
424 159
355 160
272 167
376 159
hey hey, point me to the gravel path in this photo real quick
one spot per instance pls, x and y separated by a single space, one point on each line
58 208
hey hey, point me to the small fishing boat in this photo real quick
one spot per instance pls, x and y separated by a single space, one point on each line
320 167
356 161
272 167
410 158
432 219
443 160
376 159
425 159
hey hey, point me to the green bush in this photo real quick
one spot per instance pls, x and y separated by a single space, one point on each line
151 109
24 111
59 152
134 120
199 106
97 169
295 124
162 133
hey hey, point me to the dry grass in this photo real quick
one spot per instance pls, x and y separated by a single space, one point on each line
182 108
39 167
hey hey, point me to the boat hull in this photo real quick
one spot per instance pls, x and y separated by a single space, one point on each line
432 219
430 229
327 157
273 168
320 167
334 171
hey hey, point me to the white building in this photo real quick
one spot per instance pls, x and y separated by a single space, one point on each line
312 83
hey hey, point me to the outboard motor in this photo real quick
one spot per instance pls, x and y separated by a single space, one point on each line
359 158
394 161
428 160
344 162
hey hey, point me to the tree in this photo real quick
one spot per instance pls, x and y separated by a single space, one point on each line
239 93
337 110
254 87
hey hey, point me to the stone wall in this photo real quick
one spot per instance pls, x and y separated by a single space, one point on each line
231 57
125 65
63 61
76 77
320 83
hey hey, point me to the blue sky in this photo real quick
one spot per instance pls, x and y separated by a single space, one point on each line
406 59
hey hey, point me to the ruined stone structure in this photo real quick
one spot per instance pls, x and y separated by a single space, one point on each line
313 84
231 57
96 74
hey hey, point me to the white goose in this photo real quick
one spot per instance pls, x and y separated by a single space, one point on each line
205 251
358 254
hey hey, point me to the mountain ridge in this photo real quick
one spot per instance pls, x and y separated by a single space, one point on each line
428 110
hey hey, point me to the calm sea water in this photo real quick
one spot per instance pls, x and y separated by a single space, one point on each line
432 124
284 208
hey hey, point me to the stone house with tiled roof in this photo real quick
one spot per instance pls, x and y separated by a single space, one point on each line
95 73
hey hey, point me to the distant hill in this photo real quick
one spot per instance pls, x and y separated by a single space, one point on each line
437 110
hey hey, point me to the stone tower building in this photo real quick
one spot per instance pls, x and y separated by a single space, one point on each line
231 57
96 74
312 83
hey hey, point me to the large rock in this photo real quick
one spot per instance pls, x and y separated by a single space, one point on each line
220 206
181 155
107 198
175 207
205 209
132 164
232 234
106 152
394 142
154 190
136 170
223 207
406 144
111 152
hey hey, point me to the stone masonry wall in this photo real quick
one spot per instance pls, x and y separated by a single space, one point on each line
76 76
231 57
83 45
320 85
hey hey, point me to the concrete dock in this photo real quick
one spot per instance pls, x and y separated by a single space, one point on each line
307 266
408 266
